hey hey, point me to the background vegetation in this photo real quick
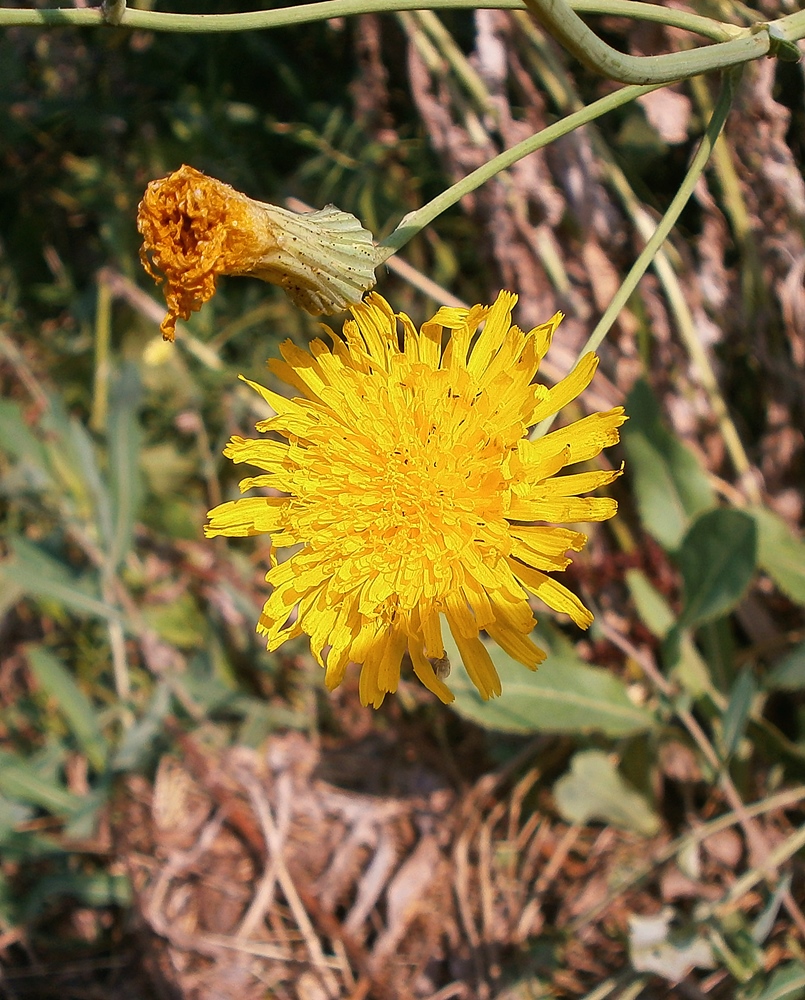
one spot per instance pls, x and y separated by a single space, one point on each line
185 815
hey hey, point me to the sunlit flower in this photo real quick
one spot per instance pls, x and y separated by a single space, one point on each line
405 475
195 228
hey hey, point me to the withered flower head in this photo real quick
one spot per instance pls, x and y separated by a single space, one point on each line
195 227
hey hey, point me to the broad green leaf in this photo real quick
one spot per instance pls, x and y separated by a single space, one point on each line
786 983
19 441
656 614
789 673
124 452
654 611
65 461
690 668
781 553
594 790
716 640
736 715
76 707
40 575
717 560
670 486
20 780
563 695
85 453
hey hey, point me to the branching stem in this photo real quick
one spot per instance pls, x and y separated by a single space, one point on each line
421 217
305 13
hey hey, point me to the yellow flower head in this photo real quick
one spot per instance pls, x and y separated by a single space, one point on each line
195 228
413 491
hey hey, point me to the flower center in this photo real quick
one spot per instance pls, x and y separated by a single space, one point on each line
415 489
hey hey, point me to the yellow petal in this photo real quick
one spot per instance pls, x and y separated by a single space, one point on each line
552 593
565 391
518 646
543 334
585 438
477 662
568 510
242 518
497 325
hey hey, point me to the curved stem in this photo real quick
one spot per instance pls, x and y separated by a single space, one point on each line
674 210
421 217
305 13
668 221
790 28
558 18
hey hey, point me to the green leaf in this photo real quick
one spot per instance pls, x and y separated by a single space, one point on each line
786 983
179 623
653 609
595 790
76 707
25 846
717 560
85 454
11 815
64 460
141 741
19 780
94 889
82 824
781 553
19 441
124 453
679 652
669 484
40 575
167 470
563 695
788 674
736 715
763 925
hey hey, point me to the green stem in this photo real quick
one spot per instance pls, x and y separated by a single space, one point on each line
558 18
654 243
790 28
103 337
417 220
668 221
305 13
775 859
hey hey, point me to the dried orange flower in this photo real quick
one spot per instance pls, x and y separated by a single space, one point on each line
195 227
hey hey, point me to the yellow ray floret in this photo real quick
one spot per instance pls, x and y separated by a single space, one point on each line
412 494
